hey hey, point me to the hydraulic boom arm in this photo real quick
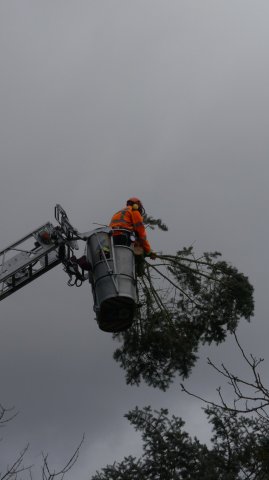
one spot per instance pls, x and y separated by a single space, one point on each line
36 253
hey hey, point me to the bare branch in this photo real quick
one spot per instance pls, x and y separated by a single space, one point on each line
47 474
255 397
16 467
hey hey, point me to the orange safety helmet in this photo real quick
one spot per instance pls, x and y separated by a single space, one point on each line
136 204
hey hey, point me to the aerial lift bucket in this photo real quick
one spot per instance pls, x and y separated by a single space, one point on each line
113 281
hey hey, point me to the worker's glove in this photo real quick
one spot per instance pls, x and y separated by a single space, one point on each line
152 255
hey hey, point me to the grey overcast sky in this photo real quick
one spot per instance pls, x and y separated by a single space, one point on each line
99 101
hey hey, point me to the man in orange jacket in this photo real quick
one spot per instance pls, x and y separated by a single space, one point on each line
130 218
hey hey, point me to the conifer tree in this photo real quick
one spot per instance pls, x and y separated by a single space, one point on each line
184 301
238 449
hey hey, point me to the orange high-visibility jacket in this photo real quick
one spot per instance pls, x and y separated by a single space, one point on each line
132 220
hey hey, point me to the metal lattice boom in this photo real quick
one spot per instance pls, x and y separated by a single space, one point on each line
36 253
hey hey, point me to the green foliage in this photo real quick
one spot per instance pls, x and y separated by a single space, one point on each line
184 302
241 443
238 450
155 222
